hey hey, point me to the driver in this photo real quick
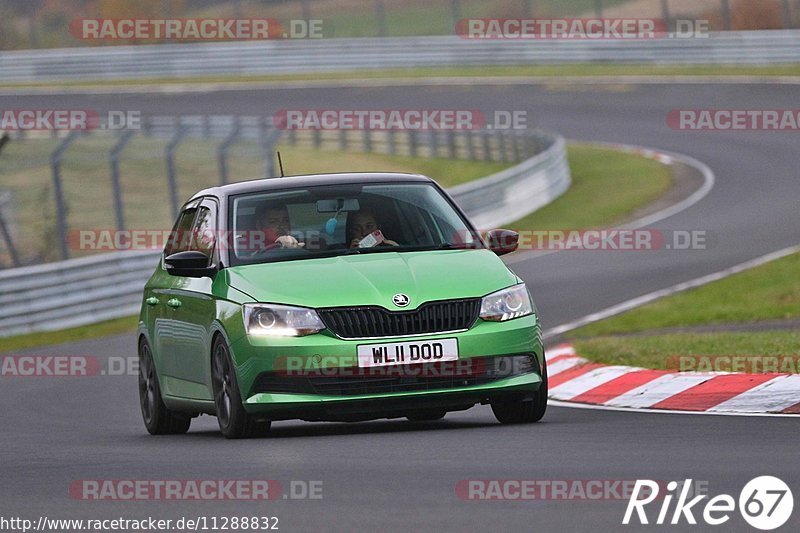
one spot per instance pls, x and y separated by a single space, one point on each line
273 221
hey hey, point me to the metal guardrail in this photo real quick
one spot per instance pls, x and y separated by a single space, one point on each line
518 191
328 55
73 292
91 289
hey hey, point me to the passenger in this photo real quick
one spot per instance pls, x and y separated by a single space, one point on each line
273 221
362 223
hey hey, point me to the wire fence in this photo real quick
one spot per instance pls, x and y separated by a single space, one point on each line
85 290
54 185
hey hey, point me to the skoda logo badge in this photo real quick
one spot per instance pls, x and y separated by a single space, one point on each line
400 300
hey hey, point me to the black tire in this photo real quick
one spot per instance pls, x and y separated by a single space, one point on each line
515 410
427 416
234 421
158 419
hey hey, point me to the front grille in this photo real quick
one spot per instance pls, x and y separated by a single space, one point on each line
399 378
431 317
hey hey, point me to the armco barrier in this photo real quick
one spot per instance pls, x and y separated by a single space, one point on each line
73 292
327 55
91 289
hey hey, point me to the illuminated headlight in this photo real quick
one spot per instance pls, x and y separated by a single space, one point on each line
509 303
280 320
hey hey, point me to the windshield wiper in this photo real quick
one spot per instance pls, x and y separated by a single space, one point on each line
420 248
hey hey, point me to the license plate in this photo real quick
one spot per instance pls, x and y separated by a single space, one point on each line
407 353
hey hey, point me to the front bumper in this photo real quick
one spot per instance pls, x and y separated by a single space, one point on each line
255 357
388 405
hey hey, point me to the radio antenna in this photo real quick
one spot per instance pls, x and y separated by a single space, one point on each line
280 164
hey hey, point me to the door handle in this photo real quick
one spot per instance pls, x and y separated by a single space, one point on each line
152 301
174 303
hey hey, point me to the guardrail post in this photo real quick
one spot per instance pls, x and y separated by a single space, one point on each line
787 14
116 187
222 151
147 126
317 137
380 18
451 144
726 14
455 12
502 139
433 143
515 147
531 145
412 143
4 140
527 8
470 138
368 140
665 12
172 181
58 190
391 147
487 148
342 139
12 250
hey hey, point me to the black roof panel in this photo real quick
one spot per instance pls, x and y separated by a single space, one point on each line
308 180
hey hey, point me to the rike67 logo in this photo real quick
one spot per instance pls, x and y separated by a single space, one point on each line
766 503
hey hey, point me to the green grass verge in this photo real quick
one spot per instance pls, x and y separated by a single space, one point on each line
655 351
768 292
635 180
101 329
554 71
593 169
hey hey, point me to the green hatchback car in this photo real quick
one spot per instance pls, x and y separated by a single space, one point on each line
335 297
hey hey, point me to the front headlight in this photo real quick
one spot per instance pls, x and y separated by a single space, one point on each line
280 320
509 303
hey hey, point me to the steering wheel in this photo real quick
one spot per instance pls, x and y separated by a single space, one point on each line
272 247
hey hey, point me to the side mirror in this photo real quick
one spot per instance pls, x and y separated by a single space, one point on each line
192 264
502 241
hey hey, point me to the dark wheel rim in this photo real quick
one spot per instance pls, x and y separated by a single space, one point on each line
223 384
147 378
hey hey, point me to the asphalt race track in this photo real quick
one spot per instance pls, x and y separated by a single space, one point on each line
396 475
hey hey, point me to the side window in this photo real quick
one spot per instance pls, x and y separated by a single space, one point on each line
181 237
204 230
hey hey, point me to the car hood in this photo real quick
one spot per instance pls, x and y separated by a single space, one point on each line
372 279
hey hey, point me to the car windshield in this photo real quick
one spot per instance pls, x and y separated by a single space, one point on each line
329 220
